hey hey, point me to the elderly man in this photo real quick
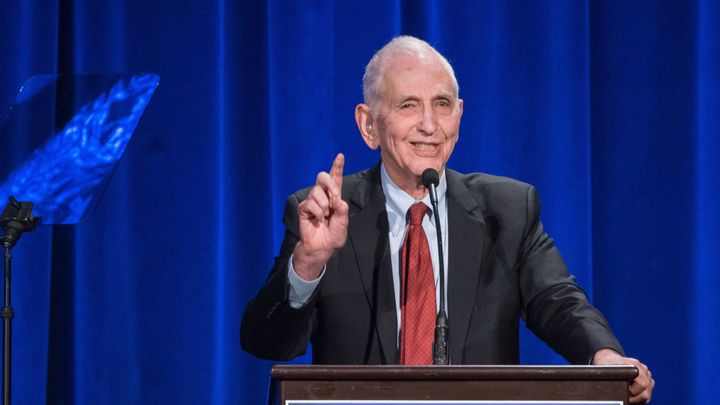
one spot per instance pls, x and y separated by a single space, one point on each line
356 277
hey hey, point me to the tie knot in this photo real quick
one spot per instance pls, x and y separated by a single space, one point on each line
416 213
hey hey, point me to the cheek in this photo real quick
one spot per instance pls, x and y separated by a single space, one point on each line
393 142
451 126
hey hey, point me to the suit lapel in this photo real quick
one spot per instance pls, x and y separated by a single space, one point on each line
467 243
368 235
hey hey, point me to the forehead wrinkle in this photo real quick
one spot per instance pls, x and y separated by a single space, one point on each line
438 91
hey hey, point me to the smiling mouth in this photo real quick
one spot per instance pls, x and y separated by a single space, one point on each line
424 147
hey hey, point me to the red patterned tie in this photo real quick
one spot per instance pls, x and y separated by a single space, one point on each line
417 292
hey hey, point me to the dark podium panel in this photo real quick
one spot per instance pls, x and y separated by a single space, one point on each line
306 384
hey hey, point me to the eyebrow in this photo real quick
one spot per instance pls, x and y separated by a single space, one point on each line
408 98
443 95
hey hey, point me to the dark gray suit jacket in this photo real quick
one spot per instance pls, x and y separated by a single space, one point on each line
501 266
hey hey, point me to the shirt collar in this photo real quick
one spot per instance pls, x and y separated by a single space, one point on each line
398 201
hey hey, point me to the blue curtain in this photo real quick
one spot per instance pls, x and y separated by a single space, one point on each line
610 108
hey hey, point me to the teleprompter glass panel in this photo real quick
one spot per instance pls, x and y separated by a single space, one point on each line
63 138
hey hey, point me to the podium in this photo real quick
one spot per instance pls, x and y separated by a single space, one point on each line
445 385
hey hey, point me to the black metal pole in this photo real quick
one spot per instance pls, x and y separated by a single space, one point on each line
15 219
7 317
440 345
440 355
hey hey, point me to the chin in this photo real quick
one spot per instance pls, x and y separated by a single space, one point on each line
425 165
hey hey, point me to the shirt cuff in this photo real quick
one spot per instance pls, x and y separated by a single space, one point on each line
300 290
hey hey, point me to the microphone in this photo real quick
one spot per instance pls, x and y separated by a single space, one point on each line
430 180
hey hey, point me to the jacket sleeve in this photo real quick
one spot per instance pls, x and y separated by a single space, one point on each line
555 308
271 328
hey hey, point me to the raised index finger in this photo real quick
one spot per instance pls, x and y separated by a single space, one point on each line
336 172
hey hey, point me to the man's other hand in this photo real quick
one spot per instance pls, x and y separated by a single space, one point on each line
323 222
642 387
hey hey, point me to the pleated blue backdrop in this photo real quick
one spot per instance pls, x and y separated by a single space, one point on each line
610 108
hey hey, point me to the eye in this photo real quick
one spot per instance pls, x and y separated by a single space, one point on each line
444 103
406 105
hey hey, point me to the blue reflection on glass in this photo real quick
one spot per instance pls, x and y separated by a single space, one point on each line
65 176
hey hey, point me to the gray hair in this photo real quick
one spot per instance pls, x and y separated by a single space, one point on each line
402 45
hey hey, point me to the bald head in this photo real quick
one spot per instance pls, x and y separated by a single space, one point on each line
402 46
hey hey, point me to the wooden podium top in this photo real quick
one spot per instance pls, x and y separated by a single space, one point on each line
293 384
305 372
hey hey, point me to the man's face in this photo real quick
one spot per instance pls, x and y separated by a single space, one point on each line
417 119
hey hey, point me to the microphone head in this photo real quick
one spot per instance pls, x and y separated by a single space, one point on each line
430 176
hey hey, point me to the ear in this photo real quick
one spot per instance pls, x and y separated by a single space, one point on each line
364 121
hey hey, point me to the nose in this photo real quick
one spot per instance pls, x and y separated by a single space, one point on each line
428 121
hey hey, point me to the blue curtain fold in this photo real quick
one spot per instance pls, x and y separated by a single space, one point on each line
609 108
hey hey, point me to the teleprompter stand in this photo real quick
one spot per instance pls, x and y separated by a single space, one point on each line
15 219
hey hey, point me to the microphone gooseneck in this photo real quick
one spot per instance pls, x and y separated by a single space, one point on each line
431 179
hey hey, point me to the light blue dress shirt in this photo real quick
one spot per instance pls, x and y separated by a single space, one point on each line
397 204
